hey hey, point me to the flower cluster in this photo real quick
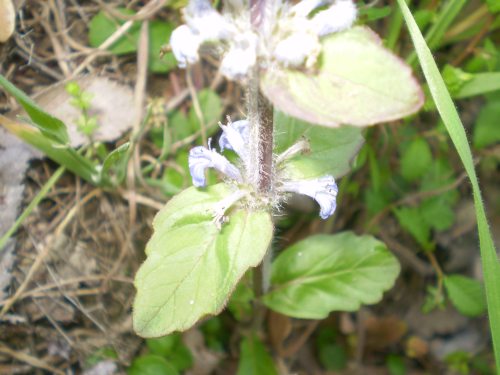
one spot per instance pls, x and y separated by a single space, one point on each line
289 35
235 137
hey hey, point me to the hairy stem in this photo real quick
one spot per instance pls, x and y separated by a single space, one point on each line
260 168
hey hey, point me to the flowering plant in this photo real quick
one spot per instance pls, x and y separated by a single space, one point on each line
309 73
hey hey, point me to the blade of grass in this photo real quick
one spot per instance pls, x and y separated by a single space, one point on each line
49 125
394 29
62 155
33 204
446 16
481 83
457 134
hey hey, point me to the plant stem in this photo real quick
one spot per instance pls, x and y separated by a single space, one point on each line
260 168
260 113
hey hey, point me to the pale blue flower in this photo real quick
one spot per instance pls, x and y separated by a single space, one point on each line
201 158
185 44
323 190
288 35
235 136
203 23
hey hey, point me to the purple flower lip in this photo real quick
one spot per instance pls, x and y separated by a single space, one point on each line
201 158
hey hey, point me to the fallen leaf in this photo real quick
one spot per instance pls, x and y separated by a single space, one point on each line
111 102
7 20
384 331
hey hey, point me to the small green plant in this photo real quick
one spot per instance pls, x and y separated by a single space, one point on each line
82 100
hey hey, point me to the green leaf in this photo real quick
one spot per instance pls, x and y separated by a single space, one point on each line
466 294
173 349
331 151
493 5
151 365
479 84
411 219
396 365
192 266
115 159
359 83
487 128
49 125
326 273
240 303
375 13
438 213
415 159
102 26
333 357
457 134
159 35
254 359
455 78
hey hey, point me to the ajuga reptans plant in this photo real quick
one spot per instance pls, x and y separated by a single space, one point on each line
314 79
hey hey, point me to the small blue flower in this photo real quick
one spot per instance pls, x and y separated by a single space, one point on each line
235 136
201 158
185 44
323 190
203 24
289 34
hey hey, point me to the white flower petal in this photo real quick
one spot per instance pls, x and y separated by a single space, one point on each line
241 57
295 49
338 17
323 190
235 137
205 21
185 44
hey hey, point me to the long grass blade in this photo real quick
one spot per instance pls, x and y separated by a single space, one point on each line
449 115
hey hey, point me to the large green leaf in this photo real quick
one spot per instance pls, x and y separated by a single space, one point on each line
466 294
326 273
254 359
331 151
49 125
359 83
192 266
